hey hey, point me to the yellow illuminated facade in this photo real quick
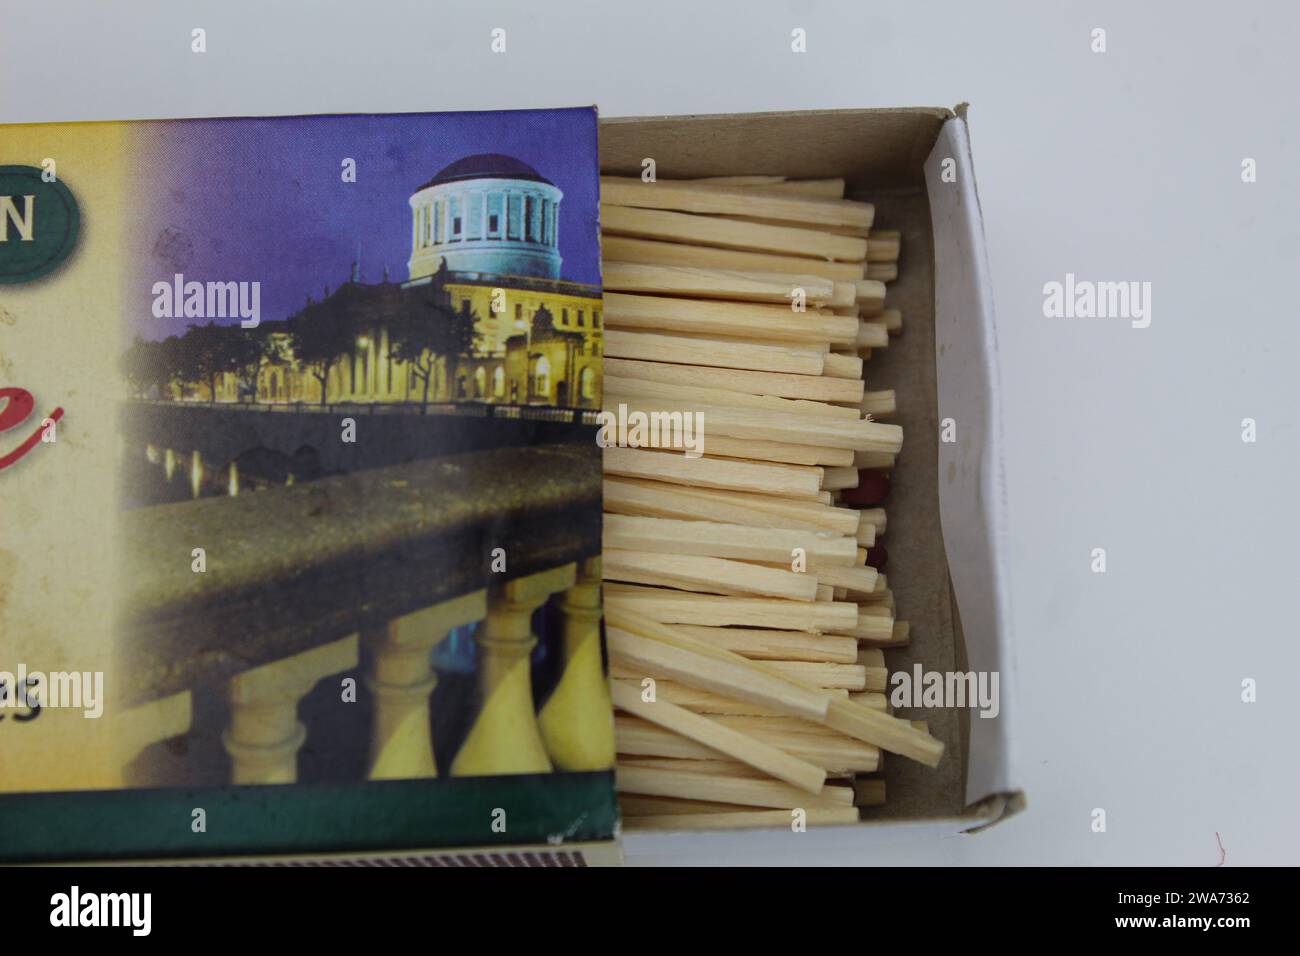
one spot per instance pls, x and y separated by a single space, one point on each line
486 228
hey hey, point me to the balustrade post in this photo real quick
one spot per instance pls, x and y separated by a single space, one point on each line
401 677
577 721
265 734
505 737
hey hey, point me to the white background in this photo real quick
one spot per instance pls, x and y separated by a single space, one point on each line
1116 166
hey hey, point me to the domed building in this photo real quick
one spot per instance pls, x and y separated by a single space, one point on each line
489 214
487 226
485 235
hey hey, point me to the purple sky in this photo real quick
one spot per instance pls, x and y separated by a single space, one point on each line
263 199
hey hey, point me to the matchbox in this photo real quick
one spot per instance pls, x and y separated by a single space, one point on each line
946 532
344 464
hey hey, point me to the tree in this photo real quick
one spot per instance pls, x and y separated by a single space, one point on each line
321 334
149 364
204 355
246 353
431 331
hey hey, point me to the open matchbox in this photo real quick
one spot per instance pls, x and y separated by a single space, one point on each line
259 730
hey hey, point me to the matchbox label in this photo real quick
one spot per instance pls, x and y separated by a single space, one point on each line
297 461
39 222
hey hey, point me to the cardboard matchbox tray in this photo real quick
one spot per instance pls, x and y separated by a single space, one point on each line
947 513
946 509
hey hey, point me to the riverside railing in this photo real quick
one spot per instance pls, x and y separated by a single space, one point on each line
372 568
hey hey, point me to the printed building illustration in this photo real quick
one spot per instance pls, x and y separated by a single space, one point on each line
484 245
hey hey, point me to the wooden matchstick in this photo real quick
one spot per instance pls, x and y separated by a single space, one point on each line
702 283
760 644
707 702
727 322
647 346
715 199
682 607
825 188
874 460
795 481
729 234
812 386
703 594
790 725
883 245
874 516
848 717
819 674
724 739
877 679
737 678
617 385
639 738
829 751
688 765
725 789
871 296
837 479
652 252
722 446
742 819
872 628
844 366
879 403
837 756
657 499
737 422
856 580
871 335
737 180
712 575
718 540
871 657
852 231
873 699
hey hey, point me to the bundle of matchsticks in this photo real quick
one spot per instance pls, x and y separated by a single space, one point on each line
747 611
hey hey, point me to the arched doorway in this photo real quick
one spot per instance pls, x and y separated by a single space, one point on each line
542 378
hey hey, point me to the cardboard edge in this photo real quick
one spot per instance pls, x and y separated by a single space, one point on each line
972 487
999 807
943 114
599 853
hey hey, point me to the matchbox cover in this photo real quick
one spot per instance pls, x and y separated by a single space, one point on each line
300 495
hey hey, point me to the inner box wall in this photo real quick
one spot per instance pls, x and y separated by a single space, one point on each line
881 154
